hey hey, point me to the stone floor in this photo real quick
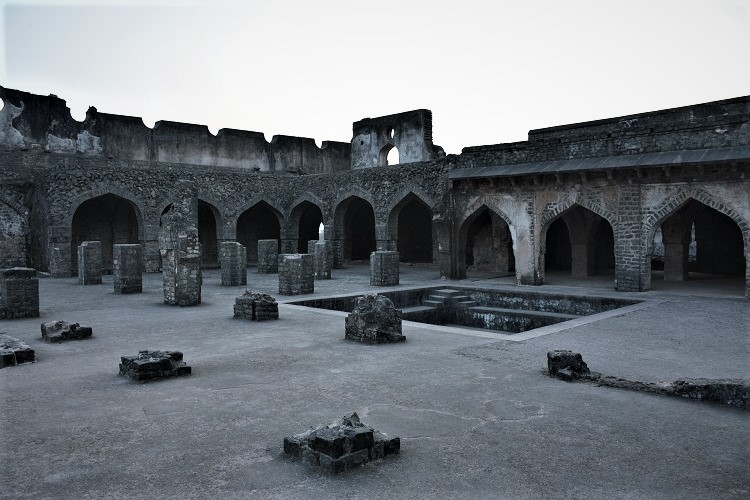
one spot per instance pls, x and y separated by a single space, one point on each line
477 416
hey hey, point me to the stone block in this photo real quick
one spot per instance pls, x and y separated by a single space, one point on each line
14 351
90 263
233 260
268 252
567 365
152 365
256 306
374 320
296 274
322 252
384 268
341 445
128 268
19 293
59 331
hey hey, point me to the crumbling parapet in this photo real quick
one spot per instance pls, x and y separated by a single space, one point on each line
14 351
268 256
19 293
384 268
296 274
128 268
181 250
256 306
233 260
341 445
321 250
90 263
374 320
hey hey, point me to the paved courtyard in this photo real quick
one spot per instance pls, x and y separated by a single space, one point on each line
477 415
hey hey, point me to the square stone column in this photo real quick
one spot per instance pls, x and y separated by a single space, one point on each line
90 263
128 268
268 256
321 250
296 274
19 293
233 260
384 268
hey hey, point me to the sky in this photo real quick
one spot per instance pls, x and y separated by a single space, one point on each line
489 70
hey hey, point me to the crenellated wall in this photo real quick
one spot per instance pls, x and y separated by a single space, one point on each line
29 120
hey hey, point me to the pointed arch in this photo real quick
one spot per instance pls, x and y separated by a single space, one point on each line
136 201
409 228
304 221
354 229
493 229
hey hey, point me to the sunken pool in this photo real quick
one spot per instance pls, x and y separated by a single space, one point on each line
499 310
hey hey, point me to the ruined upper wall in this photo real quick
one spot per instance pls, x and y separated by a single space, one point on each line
710 125
29 120
409 132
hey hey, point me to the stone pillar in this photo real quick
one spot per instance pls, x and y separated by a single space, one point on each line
19 293
128 268
90 263
268 256
321 250
384 268
382 241
296 273
233 259
676 248
59 251
180 249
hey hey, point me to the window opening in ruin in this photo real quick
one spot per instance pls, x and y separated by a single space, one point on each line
259 222
2 104
415 231
321 232
698 243
109 219
389 133
393 157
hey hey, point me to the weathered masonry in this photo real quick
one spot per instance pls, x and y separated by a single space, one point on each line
658 195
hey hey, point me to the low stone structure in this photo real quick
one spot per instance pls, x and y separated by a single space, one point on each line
152 365
19 293
90 263
296 273
341 445
14 352
256 306
128 268
567 365
181 250
374 320
384 268
59 331
233 260
321 250
268 256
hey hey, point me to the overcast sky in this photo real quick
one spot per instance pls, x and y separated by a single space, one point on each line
489 70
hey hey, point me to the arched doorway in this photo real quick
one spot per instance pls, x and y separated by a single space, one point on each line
208 224
109 219
354 230
306 218
485 244
698 243
259 222
579 243
410 224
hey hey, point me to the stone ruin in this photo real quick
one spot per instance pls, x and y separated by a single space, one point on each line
341 445
296 273
322 252
152 365
128 268
180 249
90 263
233 260
268 256
374 320
384 268
59 331
256 306
19 293
569 366
14 351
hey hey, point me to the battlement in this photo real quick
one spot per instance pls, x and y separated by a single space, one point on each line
29 120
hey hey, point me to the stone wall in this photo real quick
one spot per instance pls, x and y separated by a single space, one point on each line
19 293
